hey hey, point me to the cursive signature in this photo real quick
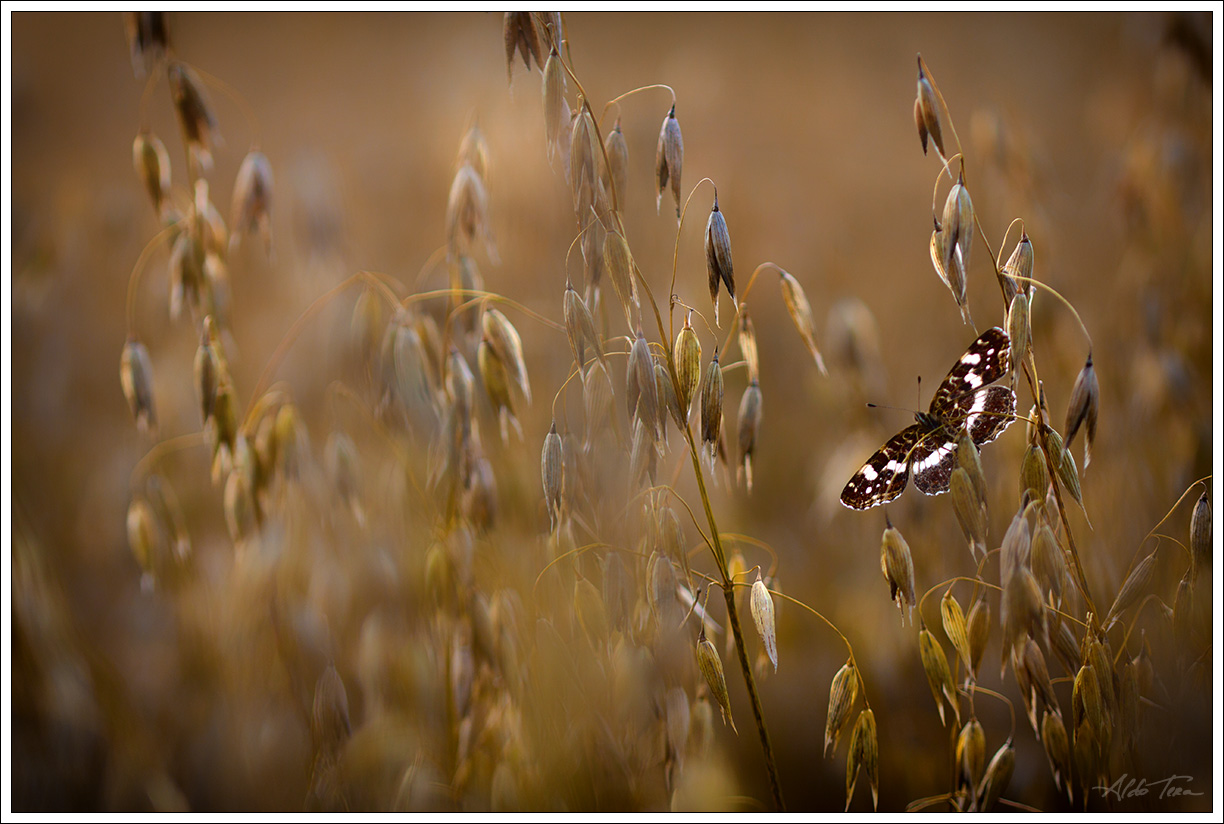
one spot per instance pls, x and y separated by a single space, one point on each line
1126 787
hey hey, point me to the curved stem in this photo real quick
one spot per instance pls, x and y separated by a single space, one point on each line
137 270
616 100
742 300
480 296
160 450
1047 287
1011 707
858 671
748 539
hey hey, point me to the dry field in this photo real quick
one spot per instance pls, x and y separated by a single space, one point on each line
349 567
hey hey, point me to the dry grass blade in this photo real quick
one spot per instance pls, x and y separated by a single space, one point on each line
801 314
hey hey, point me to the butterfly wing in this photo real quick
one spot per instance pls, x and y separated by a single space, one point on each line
987 412
933 460
885 474
985 361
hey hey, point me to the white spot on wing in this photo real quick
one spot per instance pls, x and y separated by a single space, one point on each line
935 458
869 472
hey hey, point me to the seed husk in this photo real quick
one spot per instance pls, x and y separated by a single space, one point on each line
239 501
979 631
1082 408
1020 264
927 113
596 399
152 163
957 229
582 163
505 340
998 775
580 329
556 109
1200 535
719 266
1033 678
618 163
1136 584
801 314
669 160
252 206
843 691
711 408
898 567
970 512
667 396
467 215
144 539
955 627
519 33
148 38
939 675
550 472
1023 609
1049 566
686 354
496 381
864 754
1183 609
763 617
641 388
711 668
1086 702
618 261
1034 478
195 115
169 514
329 720
1057 750
136 377
1018 327
749 428
971 754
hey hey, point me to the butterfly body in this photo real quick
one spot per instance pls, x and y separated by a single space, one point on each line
927 448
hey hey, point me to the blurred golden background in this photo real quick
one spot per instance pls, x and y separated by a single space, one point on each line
1095 129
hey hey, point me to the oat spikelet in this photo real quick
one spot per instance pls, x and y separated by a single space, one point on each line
971 754
467 214
898 567
505 340
136 377
939 675
143 539
669 160
580 329
519 33
801 314
979 631
955 627
556 109
550 472
1082 408
642 388
719 266
864 754
149 39
970 511
618 261
1057 750
749 428
152 163
195 115
1019 265
711 409
1136 584
843 691
618 163
686 354
763 617
252 206
998 775
711 669
926 113
1200 534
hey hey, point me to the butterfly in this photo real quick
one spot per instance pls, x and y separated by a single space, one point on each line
927 448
